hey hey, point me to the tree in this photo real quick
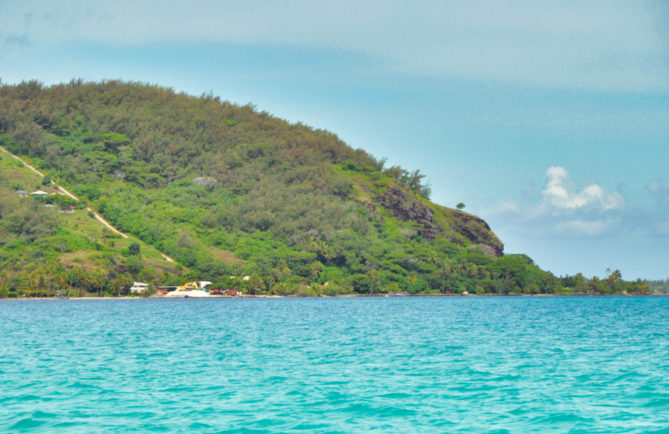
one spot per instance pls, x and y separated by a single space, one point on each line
412 279
445 272
415 182
72 279
373 278
34 283
99 281
255 283
134 249
460 205
62 282
614 280
4 280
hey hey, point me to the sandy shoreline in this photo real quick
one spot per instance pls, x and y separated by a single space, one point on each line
214 297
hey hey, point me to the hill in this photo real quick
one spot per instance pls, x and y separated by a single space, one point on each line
51 242
227 190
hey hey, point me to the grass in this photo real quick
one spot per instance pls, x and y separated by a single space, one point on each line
14 174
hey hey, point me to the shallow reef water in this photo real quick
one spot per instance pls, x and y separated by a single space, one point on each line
424 364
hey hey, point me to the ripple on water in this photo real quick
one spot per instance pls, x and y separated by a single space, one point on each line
336 365
27 423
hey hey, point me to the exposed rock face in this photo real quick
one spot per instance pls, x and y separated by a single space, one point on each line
206 181
408 209
401 206
478 231
490 251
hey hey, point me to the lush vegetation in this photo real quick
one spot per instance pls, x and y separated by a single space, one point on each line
51 245
229 191
658 286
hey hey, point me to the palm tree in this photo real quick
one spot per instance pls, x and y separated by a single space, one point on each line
4 278
444 272
72 278
34 281
85 279
413 278
100 280
42 283
255 283
62 281
324 252
374 277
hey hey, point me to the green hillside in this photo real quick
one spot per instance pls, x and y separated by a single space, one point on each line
226 191
53 243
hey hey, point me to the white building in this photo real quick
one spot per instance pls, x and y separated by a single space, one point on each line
139 287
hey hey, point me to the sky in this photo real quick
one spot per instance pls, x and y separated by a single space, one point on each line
550 120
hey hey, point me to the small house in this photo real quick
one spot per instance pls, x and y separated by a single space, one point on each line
139 287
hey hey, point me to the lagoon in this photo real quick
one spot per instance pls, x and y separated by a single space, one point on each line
455 364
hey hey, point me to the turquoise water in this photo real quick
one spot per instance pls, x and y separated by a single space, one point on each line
444 364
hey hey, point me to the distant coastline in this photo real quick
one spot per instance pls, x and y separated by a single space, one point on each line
270 296
103 194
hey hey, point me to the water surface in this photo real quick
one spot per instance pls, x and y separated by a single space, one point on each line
446 364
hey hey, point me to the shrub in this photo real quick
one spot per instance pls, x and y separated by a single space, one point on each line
134 249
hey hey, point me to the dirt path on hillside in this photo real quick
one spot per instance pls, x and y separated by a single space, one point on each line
105 222
67 193
97 216
24 162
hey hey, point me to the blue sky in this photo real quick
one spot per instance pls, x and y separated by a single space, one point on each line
551 121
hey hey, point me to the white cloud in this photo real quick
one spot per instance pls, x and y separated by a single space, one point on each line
600 44
564 210
558 194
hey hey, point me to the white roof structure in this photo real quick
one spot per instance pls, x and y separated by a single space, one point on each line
139 287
